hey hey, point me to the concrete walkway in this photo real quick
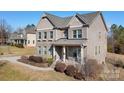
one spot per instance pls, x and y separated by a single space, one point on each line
13 59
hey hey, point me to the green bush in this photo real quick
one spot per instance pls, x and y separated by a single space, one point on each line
50 61
109 48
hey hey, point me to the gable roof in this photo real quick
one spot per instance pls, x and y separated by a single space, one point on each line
61 22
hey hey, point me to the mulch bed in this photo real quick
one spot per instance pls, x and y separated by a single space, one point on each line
26 61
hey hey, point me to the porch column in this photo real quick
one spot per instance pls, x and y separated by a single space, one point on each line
64 53
82 54
54 52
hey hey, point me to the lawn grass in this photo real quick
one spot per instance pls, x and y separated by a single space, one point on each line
12 71
11 50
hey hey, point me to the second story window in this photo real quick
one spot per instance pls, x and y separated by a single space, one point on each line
77 33
45 35
51 34
74 34
39 35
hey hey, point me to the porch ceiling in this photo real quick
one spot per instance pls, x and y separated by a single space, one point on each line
70 42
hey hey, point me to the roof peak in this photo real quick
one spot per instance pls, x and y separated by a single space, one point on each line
97 12
61 22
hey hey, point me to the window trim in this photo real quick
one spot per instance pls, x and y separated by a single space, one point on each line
33 41
76 33
39 35
45 37
39 50
51 34
45 50
28 41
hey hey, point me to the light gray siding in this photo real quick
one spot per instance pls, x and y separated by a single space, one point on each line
44 24
94 40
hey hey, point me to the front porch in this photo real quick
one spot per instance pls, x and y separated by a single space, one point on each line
69 53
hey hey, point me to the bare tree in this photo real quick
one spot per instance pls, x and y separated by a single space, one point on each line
5 30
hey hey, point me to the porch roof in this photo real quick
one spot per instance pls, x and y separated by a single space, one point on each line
70 42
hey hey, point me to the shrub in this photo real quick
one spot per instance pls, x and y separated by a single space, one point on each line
24 57
79 76
36 59
118 63
23 60
2 63
60 67
92 68
70 70
50 61
1 53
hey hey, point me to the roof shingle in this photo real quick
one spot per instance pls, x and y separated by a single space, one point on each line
61 22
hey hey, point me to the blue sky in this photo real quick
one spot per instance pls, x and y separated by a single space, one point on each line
20 18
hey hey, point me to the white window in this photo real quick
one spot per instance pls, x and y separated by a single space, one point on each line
77 33
39 50
45 50
51 34
28 41
45 35
74 34
39 35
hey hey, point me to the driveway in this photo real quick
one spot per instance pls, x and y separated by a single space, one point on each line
13 59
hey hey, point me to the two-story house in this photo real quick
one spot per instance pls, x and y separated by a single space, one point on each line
76 38
27 38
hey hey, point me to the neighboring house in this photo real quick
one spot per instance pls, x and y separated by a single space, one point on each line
76 38
31 37
27 38
17 38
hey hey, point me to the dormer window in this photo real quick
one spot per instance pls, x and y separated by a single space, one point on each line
77 33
